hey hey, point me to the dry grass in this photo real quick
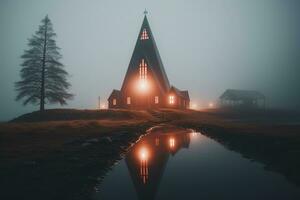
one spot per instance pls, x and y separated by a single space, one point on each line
46 140
73 114
23 139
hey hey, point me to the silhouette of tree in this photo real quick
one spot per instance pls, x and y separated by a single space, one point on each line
43 79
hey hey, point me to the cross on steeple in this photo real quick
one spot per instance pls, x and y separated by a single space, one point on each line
145 12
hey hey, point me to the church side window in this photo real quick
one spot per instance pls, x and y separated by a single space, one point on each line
156 100
128 100
171 99
114 102
144 35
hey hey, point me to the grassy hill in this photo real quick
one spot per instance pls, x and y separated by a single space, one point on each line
70 147
73 114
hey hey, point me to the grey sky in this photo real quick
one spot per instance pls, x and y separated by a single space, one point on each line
206 46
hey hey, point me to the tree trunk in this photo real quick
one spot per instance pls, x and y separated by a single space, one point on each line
42 100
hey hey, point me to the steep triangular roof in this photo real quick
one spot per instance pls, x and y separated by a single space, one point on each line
115 93
146 48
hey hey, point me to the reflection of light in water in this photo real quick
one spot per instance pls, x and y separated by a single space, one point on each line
172 142
157 141
144 156
193 134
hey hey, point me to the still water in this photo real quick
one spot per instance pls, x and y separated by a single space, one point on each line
171 163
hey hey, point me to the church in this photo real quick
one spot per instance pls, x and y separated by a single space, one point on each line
146 84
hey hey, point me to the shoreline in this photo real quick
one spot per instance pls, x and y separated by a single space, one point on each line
69 172
64 159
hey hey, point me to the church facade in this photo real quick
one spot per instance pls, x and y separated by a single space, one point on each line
146 84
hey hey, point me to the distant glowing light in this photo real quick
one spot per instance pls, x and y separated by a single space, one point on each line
103 106
194 106
211 105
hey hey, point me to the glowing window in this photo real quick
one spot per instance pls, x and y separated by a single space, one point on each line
143 75
143 70
128 100
171 99
144 35
156 100
114 102
172 142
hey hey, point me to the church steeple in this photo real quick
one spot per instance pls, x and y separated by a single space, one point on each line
146 49
145 28
145 12
146 84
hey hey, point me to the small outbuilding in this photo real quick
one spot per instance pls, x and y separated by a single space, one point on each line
242 99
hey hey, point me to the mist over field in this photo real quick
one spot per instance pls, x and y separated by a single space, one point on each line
206 46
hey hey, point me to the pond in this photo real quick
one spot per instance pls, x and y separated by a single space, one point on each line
174 163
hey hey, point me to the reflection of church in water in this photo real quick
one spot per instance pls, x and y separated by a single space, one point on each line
147 160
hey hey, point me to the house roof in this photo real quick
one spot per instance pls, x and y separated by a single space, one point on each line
233 94
147 49
115 94
184 94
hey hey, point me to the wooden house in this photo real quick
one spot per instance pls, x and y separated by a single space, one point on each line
247 99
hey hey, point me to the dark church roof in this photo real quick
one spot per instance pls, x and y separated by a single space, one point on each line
147 50
241 94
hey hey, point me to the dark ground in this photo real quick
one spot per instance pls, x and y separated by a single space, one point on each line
64 153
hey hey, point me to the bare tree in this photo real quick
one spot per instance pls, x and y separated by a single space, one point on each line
43 78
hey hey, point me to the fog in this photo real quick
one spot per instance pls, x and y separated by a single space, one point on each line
207 46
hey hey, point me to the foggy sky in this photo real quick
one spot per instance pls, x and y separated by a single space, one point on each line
206 46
